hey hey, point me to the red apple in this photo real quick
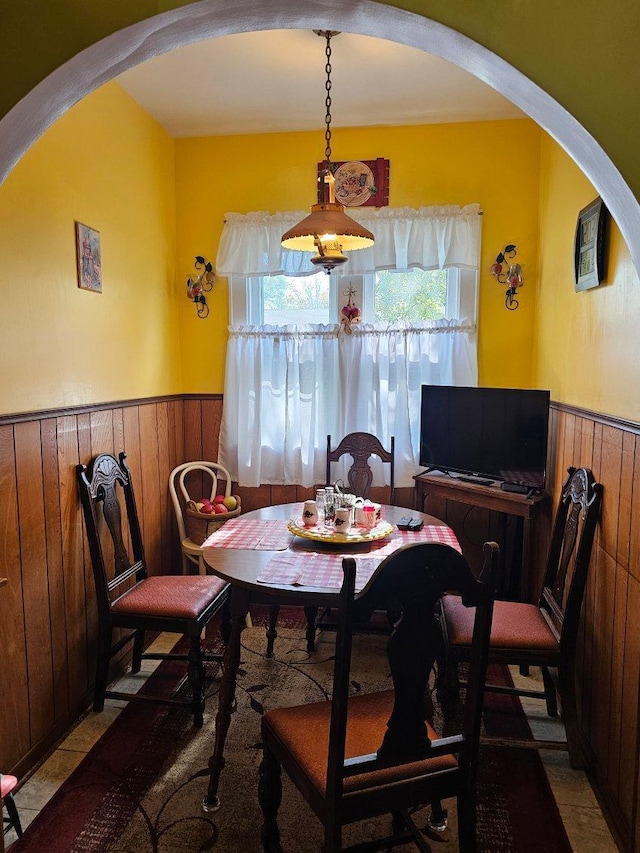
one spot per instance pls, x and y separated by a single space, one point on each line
207 509
220 509
218 499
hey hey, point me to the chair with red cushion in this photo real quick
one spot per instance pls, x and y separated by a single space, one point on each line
131 599
7 786
356 757
543 634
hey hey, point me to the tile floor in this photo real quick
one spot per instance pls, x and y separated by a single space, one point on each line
586 827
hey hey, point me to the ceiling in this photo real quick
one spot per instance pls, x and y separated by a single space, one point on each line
274 81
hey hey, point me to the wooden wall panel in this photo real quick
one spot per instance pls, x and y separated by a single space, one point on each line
33 558
14 697
48 668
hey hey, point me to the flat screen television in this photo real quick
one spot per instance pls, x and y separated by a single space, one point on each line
495 433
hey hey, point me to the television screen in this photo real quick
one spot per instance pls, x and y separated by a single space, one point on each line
495 433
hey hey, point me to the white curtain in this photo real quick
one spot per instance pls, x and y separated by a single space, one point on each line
287 388
428 238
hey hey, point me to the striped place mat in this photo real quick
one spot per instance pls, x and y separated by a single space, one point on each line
324 569
255 534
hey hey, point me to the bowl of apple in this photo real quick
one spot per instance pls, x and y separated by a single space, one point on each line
206 516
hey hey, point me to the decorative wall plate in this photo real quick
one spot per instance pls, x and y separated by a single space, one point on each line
352 537
355 183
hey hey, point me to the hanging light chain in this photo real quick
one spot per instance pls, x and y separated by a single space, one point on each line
327 101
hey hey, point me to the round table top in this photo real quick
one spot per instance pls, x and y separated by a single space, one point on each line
242 566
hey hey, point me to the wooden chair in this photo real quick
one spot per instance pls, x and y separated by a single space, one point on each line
201 477
7 786
128 597
373 754
361 445
545 634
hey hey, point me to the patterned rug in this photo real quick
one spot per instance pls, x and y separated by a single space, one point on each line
139 789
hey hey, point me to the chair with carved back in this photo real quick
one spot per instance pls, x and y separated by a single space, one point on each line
372 754
130 598
543 634
361 446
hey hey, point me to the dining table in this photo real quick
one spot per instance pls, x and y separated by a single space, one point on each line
270 556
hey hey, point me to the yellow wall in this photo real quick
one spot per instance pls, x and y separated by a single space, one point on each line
582 52
493 163
587 344
108 165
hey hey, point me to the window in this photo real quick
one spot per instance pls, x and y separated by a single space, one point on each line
383 297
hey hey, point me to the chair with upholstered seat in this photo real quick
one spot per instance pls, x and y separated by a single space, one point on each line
12 821
361 446
128 596
543 634
376 754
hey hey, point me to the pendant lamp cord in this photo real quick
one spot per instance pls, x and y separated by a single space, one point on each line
327 101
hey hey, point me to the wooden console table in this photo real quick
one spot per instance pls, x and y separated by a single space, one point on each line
491 498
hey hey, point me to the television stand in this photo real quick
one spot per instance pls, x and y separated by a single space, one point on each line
517 581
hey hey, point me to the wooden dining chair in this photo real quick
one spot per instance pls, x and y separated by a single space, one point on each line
374 754
129 597
543 634
361 446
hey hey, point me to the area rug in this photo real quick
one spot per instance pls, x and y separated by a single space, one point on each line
139 789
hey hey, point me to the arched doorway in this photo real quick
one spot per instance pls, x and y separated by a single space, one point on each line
105 60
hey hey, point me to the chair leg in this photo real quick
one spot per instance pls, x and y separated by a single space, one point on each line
270 797
570 718
138 648
102 670
14 817
466 823
225 621
196 680
272 633
550 693
312 614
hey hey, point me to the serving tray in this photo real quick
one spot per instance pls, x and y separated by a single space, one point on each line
352 536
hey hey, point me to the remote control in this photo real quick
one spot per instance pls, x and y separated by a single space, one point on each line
415 524
404 522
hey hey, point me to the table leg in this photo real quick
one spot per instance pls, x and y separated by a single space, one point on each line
239 610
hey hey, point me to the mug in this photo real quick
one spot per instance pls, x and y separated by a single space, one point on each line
310 514
342 521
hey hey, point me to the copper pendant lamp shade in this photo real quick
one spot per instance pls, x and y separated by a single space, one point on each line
328 230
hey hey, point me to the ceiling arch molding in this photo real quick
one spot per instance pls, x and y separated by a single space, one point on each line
122 50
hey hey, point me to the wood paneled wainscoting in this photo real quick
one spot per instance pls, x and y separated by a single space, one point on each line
47 613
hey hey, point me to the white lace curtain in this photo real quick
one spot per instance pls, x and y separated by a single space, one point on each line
428 238
287 388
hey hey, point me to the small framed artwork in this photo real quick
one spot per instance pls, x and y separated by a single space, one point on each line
590 250
88 258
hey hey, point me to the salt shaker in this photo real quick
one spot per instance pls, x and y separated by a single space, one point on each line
329 505
320 501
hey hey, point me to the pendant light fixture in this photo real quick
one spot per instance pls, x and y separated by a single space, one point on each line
328 230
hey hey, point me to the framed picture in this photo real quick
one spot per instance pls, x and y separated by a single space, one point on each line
591 245
88 258
359 183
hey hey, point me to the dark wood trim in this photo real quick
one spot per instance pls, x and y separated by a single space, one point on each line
596 417
20 417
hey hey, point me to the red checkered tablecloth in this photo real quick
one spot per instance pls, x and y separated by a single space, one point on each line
256 534
324 569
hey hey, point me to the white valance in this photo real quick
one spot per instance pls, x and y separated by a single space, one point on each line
427 238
